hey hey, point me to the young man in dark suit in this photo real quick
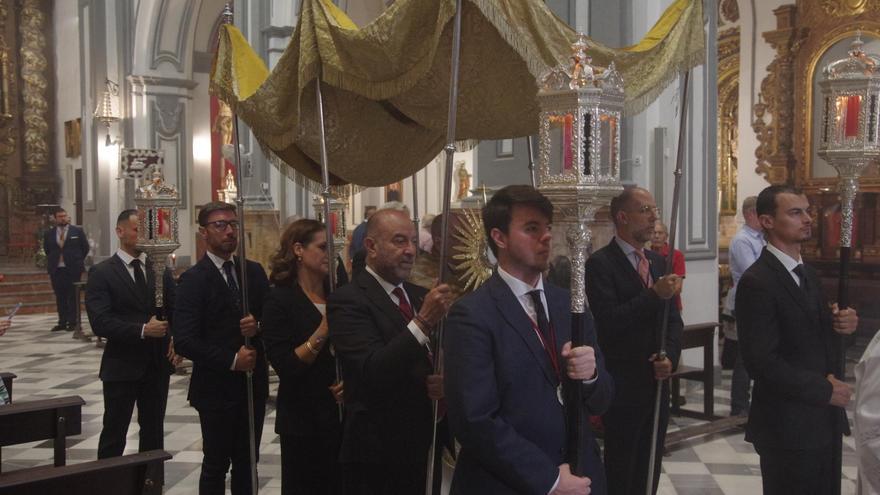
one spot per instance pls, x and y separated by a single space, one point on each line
66 248
381 327
790 340
508 351
627 291
209 330
138 358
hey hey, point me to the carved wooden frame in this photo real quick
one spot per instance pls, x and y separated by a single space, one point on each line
804 32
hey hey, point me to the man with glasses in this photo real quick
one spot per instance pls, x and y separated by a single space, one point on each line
210 330
628 292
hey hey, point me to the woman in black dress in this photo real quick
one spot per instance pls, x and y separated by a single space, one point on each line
295 334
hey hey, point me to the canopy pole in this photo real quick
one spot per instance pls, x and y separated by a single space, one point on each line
415 208
673 224
432 486
241 268
532 174
328 225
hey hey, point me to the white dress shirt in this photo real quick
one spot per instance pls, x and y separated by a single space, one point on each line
787 261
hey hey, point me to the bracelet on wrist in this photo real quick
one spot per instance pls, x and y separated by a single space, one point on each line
311 348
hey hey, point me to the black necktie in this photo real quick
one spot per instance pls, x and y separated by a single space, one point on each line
139 281
228 268
543 323
802 277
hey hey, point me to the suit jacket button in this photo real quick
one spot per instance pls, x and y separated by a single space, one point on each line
562 451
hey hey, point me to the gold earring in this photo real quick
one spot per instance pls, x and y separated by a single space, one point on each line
299 258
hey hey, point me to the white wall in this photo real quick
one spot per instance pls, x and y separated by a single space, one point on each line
67 96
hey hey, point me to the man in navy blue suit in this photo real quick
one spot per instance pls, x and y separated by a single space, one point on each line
508 351
66 248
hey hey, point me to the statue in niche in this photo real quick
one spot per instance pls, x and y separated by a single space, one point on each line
229 193
223 123
464 182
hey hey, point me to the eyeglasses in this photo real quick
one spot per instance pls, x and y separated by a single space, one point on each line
221 225
649 209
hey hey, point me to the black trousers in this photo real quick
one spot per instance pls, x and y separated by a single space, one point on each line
225 441
310 465
797 472
150 393
62 284
627 446
385 479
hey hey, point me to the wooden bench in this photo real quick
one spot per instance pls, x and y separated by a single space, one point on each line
49 419
139 474
7 382
693 336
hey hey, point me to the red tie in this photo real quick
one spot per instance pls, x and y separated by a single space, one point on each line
644 269
403 304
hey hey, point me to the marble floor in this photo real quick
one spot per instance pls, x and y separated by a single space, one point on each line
54 364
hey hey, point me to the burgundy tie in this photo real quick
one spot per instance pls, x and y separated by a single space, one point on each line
403 304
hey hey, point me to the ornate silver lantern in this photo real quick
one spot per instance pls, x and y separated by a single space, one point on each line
338 207
849 138
158 229
579 152
579 171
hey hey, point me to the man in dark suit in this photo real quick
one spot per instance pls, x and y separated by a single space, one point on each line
789 339
504 387
209 329
627 291
381 328
66 247
137 360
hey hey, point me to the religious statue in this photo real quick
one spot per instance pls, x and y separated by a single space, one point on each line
156 186
229 193
581 71
464 182
223 123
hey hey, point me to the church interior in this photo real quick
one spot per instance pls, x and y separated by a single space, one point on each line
97 97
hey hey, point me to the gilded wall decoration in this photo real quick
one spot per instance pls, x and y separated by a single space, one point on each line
729 10
728 114
35 95
7 88
845 8
774 152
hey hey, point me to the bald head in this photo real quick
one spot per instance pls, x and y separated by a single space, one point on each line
391 243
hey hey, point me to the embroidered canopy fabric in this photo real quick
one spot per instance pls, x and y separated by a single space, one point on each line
386 85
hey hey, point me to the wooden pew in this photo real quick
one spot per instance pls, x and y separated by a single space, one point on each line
48 419
136 474
7 382
694 336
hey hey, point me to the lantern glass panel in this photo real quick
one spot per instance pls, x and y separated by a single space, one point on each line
607 150
562 158
164 229
847 109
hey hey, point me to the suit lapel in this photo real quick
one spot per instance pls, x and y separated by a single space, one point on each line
217 279
516 317
787 281
377 295
122 273
624 265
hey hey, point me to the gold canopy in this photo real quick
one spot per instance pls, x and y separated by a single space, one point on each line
385 85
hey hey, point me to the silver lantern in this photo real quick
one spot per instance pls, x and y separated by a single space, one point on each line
579 151
338 207
848 139
158 229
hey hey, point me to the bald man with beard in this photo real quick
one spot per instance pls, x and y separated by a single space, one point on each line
381 327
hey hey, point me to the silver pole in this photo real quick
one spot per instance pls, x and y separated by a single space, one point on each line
532 174
673 224
325 193
415 209
243 283
447 200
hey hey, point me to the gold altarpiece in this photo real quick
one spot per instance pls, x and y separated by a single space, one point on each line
807 34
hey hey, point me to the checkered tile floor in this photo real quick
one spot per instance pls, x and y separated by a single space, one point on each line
54 364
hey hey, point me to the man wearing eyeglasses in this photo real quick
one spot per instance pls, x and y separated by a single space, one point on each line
628 292
210 329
